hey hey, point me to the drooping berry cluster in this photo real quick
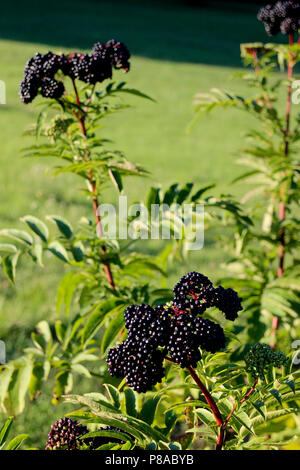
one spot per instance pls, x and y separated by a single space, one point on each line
116 52
281 17
64 434
138 357
260 357
177 332
40 70
195 293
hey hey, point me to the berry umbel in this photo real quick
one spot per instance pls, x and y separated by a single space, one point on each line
176 332
260 358
281 17
65 434
40 73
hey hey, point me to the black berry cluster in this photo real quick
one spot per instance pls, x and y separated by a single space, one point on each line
115 52
195 293
281 17
39 76
189 334
40 70
260 357
64 434
177 332
139 358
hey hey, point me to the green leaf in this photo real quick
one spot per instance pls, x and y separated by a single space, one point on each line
6 373
97 316
37 226
63 225
184 193
130 402
206 416
7 248
16 442
148 410
116 179
170 194
153 197
18 235
114 394
36 380
4 431
110 434
132 91
201 191
174 446
63 381
276 395
290 383
9 266
58 250
114 327
18 387
44 329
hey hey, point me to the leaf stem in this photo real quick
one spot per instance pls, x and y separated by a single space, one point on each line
252 389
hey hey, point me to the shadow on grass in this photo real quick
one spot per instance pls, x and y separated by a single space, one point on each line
166 30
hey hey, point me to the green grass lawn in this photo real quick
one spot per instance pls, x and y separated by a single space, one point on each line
177 52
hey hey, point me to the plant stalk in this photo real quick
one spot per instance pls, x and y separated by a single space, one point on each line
282 202
106 265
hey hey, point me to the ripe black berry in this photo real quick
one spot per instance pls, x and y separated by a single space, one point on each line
52 88
115 52
228 302
194 293
282 16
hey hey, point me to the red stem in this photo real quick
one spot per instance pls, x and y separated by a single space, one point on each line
240 402
282 203
210 401
106 265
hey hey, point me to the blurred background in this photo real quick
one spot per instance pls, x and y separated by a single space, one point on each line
178 48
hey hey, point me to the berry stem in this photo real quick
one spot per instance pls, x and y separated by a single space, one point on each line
212 404
240 402
93 189
282 201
